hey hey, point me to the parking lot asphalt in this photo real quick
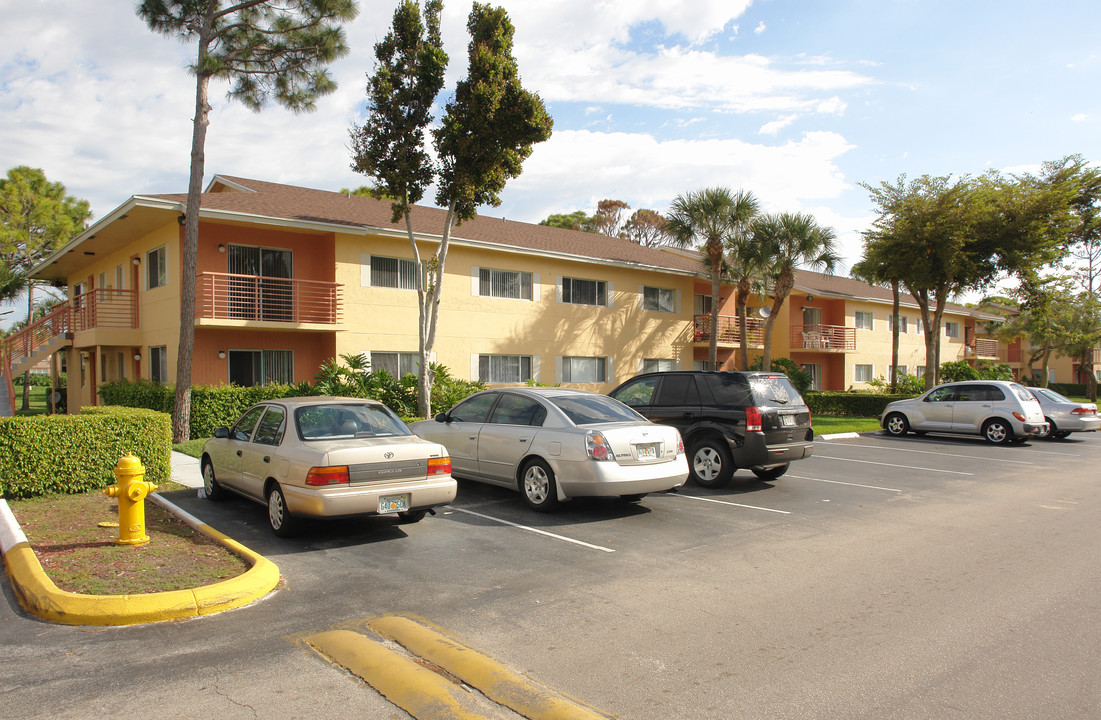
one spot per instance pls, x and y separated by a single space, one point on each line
916 577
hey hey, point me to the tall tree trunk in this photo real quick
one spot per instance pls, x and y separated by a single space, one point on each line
27 375
181 412
894 336
929 331
741 303
713 342
780 291
424 405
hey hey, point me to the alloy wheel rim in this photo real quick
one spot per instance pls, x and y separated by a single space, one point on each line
535 485
707 463
275 509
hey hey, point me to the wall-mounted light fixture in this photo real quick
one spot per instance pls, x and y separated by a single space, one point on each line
182 219
221 248
137 357
222 354
136 261
810 298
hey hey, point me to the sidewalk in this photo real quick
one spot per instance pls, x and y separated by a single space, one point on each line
186 471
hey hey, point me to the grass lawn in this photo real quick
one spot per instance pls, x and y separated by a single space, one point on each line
194 448
37 400
827 424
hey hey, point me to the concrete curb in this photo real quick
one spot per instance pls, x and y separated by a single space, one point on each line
837 436
39 596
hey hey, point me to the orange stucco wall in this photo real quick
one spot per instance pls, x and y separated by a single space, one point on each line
314 253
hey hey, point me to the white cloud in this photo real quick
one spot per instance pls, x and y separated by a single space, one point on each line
760 28
1080 117
774 127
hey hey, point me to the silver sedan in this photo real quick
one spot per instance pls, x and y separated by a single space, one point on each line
553 444
1064 415
326 457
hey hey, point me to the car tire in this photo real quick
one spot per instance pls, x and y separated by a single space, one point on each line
637 497
997 431
280 520
538 487
407 517
1051 430
211 488
772 473
711 464
896 424
1062 434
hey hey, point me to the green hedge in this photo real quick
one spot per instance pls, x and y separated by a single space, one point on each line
45 454
850 403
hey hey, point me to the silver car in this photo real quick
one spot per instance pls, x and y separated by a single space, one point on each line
553 444
326 457
1000 411
1064 415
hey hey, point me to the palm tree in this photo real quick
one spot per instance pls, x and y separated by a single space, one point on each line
703 218
785 241
743 260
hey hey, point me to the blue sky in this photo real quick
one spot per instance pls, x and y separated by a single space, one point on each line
799 102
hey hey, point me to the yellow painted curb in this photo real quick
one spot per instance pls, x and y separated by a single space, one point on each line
416 690
495 680
40 596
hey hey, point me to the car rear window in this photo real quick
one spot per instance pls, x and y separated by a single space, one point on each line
343 422
590 409
1022 393
774 391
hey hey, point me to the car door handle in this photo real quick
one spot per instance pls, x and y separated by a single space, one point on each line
473 437
238 453
524 440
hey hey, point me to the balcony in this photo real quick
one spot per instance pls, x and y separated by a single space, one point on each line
225 296
823 337
982 348
728 332
104 308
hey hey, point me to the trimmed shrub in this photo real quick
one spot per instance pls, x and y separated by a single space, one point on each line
45 454
36 380
858 404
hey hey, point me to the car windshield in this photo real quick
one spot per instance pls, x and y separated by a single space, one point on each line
344 421
774 391
590 409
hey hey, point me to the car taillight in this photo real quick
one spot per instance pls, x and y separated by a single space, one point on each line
335 475
680 445
1083 411
1019 416
439 466
597 446
752 419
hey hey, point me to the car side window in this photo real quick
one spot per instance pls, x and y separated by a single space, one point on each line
970 393
517 410
991 393
637 393
944 394
678 390
270 429
243 429
728 391
473 409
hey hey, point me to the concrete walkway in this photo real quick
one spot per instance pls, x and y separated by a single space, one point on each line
186 471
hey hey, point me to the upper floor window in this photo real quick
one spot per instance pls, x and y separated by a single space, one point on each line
864 320
504 284
659 299
903 323
156 268
584 369
500 369
701 304
584 292
952 329
393 273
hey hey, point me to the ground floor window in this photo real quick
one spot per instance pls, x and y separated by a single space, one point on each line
248 368
658 365
584 369
158 364
862 373
499 369
397 364
815 372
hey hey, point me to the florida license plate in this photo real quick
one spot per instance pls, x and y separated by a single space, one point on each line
393 503
646 452
787 420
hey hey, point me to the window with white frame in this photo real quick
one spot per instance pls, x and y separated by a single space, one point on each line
501 369
952 329
702 304
398 364
393 273
650 365
864 320
919 371
919 327
903 324
700 365
659 299
584 369
504 284
900 369
863 373
156 268
158 364
584 292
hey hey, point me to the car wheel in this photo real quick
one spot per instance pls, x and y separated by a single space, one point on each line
997 431
711 466
211 488
772 473
411 516
282 522
1062 434
896 424
538 487
1051 430
637 497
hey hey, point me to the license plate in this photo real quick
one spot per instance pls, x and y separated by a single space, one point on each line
787 420
393 503
646 452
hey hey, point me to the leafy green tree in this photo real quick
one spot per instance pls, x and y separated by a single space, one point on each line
646 227
784 242
269 50
577 220
37 217
703 219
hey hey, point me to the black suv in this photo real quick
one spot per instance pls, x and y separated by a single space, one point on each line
728 420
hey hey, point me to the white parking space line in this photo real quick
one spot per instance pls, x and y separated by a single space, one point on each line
905 467
838 482
726 502
531 529
931 452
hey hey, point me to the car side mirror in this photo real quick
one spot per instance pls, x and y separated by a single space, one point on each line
222 432
441 417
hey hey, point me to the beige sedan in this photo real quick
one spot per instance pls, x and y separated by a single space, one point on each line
326 457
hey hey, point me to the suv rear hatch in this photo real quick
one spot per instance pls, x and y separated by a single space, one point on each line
784 415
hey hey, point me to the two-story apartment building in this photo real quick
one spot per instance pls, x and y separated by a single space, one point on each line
289 277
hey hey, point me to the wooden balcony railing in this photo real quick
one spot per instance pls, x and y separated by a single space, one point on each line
225 296
728 331
983 348
823 337
26 342
103 308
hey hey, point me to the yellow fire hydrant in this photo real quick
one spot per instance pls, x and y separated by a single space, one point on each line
130 489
